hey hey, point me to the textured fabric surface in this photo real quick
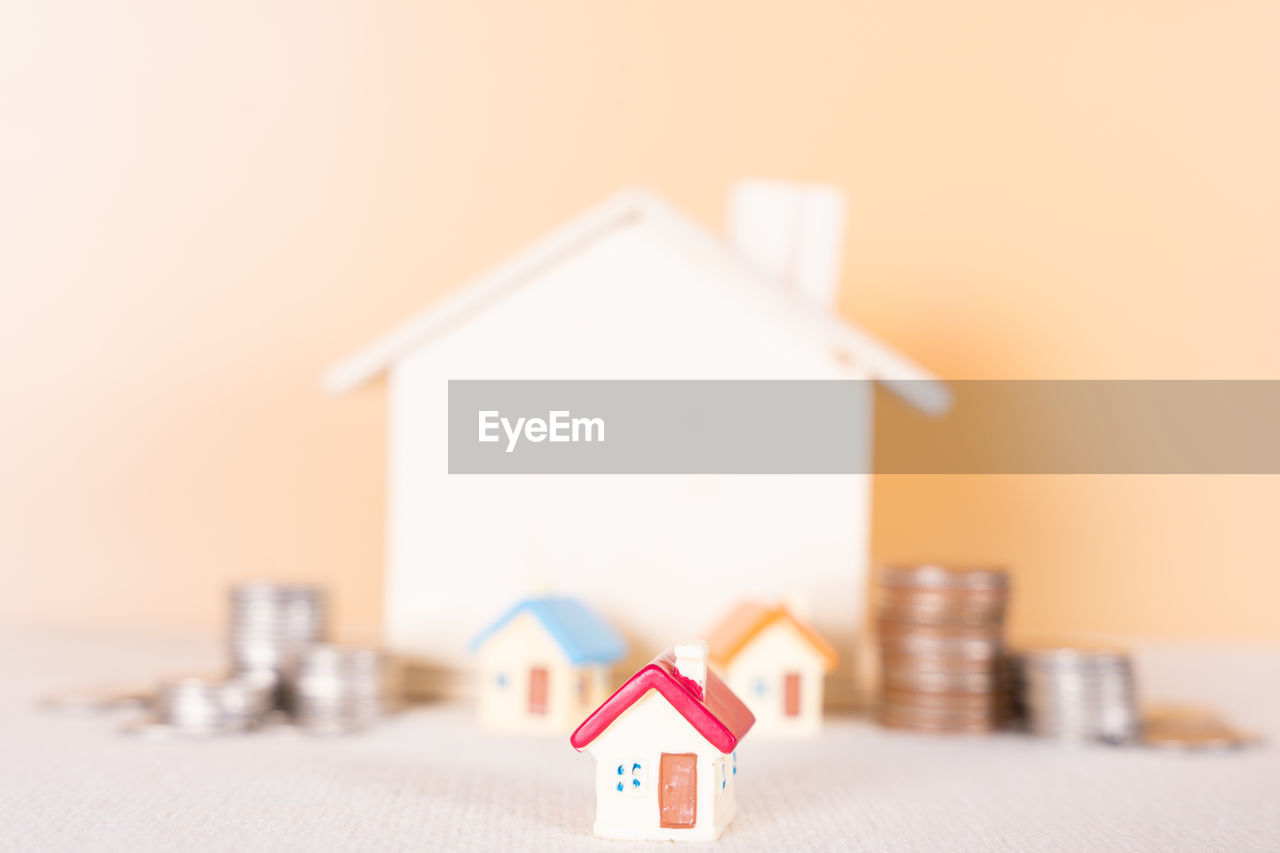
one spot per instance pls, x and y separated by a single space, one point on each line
429 780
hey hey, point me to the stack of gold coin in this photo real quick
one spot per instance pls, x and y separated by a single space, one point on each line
941 632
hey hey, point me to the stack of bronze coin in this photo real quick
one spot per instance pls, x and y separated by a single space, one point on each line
941 632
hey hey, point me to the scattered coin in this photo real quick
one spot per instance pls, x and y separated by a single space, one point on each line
1192 729
202 707
282 672
95 700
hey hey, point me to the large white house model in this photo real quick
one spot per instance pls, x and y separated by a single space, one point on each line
665 746
631 289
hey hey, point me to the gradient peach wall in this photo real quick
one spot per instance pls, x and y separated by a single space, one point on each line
202 205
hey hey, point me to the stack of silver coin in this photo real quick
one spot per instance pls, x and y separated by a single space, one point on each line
211 706
270 626
941 633
1077 694
339 689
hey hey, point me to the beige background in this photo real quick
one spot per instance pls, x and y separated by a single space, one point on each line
204 204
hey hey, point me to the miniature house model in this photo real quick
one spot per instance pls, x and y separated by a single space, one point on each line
630 289
776 663
544 665
665 747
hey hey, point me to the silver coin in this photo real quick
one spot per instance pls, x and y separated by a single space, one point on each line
1076 693
341 688
209 706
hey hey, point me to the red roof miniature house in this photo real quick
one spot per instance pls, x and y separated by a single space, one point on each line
776 663
665 745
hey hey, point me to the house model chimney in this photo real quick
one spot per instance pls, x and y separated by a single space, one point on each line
691 665
793 232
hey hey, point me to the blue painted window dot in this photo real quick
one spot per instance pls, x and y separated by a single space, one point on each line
619 769
619 786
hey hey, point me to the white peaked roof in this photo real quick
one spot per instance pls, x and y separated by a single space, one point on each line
881 362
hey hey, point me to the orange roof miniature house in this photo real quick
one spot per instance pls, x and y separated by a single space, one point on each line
665 745
776 663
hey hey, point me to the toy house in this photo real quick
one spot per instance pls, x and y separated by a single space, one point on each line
543 665
777 663
630 289
665 745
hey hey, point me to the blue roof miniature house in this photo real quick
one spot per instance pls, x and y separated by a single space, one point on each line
543 665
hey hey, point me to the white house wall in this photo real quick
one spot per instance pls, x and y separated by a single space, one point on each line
658 556
641 734
756 675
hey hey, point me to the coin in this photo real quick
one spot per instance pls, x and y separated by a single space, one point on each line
270 625
938 662
95 699
1076 692
969 642
1208 739
922 720
941 631
925 681
202 706
938 701
936 576
282 673
942 607
341 688
1189 728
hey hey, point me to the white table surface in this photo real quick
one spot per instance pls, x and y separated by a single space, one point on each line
429 780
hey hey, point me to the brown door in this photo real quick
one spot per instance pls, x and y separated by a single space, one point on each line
791 690
538 690
678 794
